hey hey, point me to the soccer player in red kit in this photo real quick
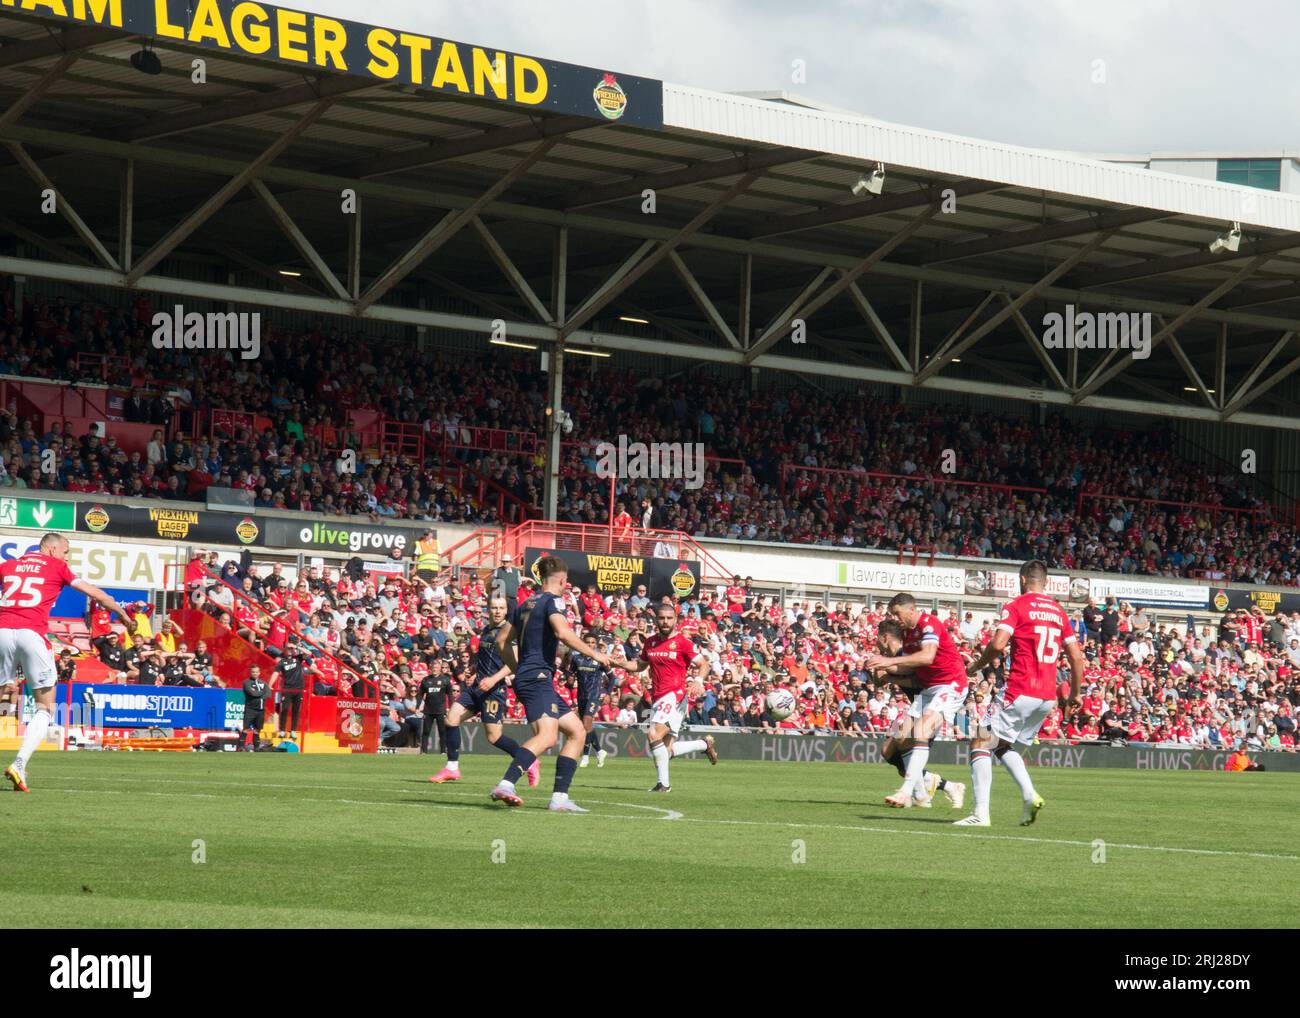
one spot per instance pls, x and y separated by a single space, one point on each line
930 655
29 586
668 655
1038 631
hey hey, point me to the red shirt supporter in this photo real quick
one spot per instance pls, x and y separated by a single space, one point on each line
101 622
592 605
277 635
245 614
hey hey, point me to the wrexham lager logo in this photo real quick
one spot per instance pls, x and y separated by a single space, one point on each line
683 581
610 98
246 530
96 518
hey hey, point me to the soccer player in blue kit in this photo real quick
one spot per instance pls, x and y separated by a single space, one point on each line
484 696
539 626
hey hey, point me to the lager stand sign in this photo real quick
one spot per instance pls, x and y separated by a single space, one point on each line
357 725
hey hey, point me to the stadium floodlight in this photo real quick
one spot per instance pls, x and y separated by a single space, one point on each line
586 353
517 346
146 61
1229 241
873 184
291 273
634 321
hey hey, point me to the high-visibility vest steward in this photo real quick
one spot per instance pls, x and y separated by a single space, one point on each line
427 554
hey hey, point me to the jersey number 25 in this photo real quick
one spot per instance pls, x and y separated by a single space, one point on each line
28 586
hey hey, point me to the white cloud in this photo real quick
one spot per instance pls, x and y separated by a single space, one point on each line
1180 74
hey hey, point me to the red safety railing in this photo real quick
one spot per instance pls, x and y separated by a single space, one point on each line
868 478
915 552
709 457
591 537
105 366
402 438
485 492
230 421
499 440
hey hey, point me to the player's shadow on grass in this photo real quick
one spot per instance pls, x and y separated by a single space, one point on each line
913 818
495 807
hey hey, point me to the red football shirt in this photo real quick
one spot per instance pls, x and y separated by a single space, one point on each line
947 666
669 658
29 586
1039 631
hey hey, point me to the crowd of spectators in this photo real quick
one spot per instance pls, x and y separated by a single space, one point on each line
354 632
785 465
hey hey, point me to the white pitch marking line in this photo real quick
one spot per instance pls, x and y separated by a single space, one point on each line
737 823
670 814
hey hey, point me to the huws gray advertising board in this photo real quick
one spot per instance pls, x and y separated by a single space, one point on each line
780 748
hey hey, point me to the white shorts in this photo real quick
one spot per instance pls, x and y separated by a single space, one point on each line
945 700
27 650
668 711
1017 720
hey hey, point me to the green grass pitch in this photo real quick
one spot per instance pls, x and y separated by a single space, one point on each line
108 839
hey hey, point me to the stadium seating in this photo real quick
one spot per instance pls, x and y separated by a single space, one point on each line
456 439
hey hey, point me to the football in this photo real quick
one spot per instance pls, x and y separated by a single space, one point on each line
780 704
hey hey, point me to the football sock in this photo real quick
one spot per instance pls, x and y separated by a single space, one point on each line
1015 763
522 761
35 735
507 745
914 782
896 760
660 755
453 746
593 742
682 748
943 782
564 768
981 776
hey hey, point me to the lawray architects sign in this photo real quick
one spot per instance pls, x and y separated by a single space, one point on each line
884 576
354 539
